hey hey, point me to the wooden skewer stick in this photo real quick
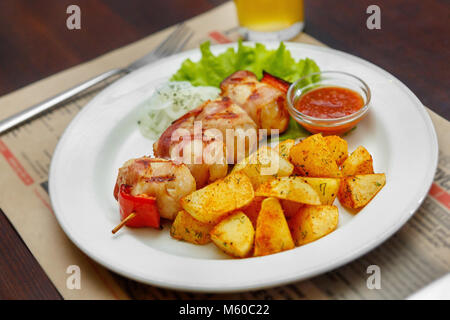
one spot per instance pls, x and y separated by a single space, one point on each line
123 222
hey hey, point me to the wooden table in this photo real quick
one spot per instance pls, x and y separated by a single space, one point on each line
413 44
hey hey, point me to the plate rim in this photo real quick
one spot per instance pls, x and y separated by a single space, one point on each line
410 209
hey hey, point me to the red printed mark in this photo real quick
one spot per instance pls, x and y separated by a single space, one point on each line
94 266
15 164
26 178
440 195
219 37
43 200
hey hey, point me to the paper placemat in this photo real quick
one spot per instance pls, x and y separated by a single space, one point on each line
412 258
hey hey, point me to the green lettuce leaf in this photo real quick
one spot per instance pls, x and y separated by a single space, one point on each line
294 131
210 70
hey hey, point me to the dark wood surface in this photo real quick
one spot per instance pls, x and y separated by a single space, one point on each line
21 276
413 44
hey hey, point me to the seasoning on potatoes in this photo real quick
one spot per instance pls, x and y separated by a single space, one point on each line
290 207
359 162
264 165
289 188
234 235
252 210
212 202
313 222
312 158
272 232
357 191
284 148
326 188
338 148
186 228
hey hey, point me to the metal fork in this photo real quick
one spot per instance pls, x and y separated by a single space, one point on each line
172 44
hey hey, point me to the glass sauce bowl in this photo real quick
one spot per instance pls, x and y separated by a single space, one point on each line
328 126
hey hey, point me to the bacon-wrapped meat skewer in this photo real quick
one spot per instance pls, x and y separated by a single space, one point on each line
165 181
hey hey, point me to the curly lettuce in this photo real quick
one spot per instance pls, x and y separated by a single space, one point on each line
210 70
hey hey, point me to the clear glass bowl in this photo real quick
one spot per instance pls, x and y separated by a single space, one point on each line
328 79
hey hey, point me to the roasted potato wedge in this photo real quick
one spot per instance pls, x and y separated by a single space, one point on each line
210 203
272 232
252 210
290 208
357 191
313 222
312 158
186 228
326 188
234 235
284 148
338 148
289 188
359 162
264 165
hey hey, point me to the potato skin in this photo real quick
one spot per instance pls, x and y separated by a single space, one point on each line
258 168
359 162
313 222
338 148
357 191
326 188
272 232
212 202
284 148
234 235
186 228
312 158
289 188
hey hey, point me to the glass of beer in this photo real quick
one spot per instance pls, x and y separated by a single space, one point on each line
270 19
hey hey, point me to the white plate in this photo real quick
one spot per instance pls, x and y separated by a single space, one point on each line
398 133
437 290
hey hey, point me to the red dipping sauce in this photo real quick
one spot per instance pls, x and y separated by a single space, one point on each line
329 102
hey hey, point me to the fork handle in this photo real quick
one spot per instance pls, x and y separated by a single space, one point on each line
51 103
